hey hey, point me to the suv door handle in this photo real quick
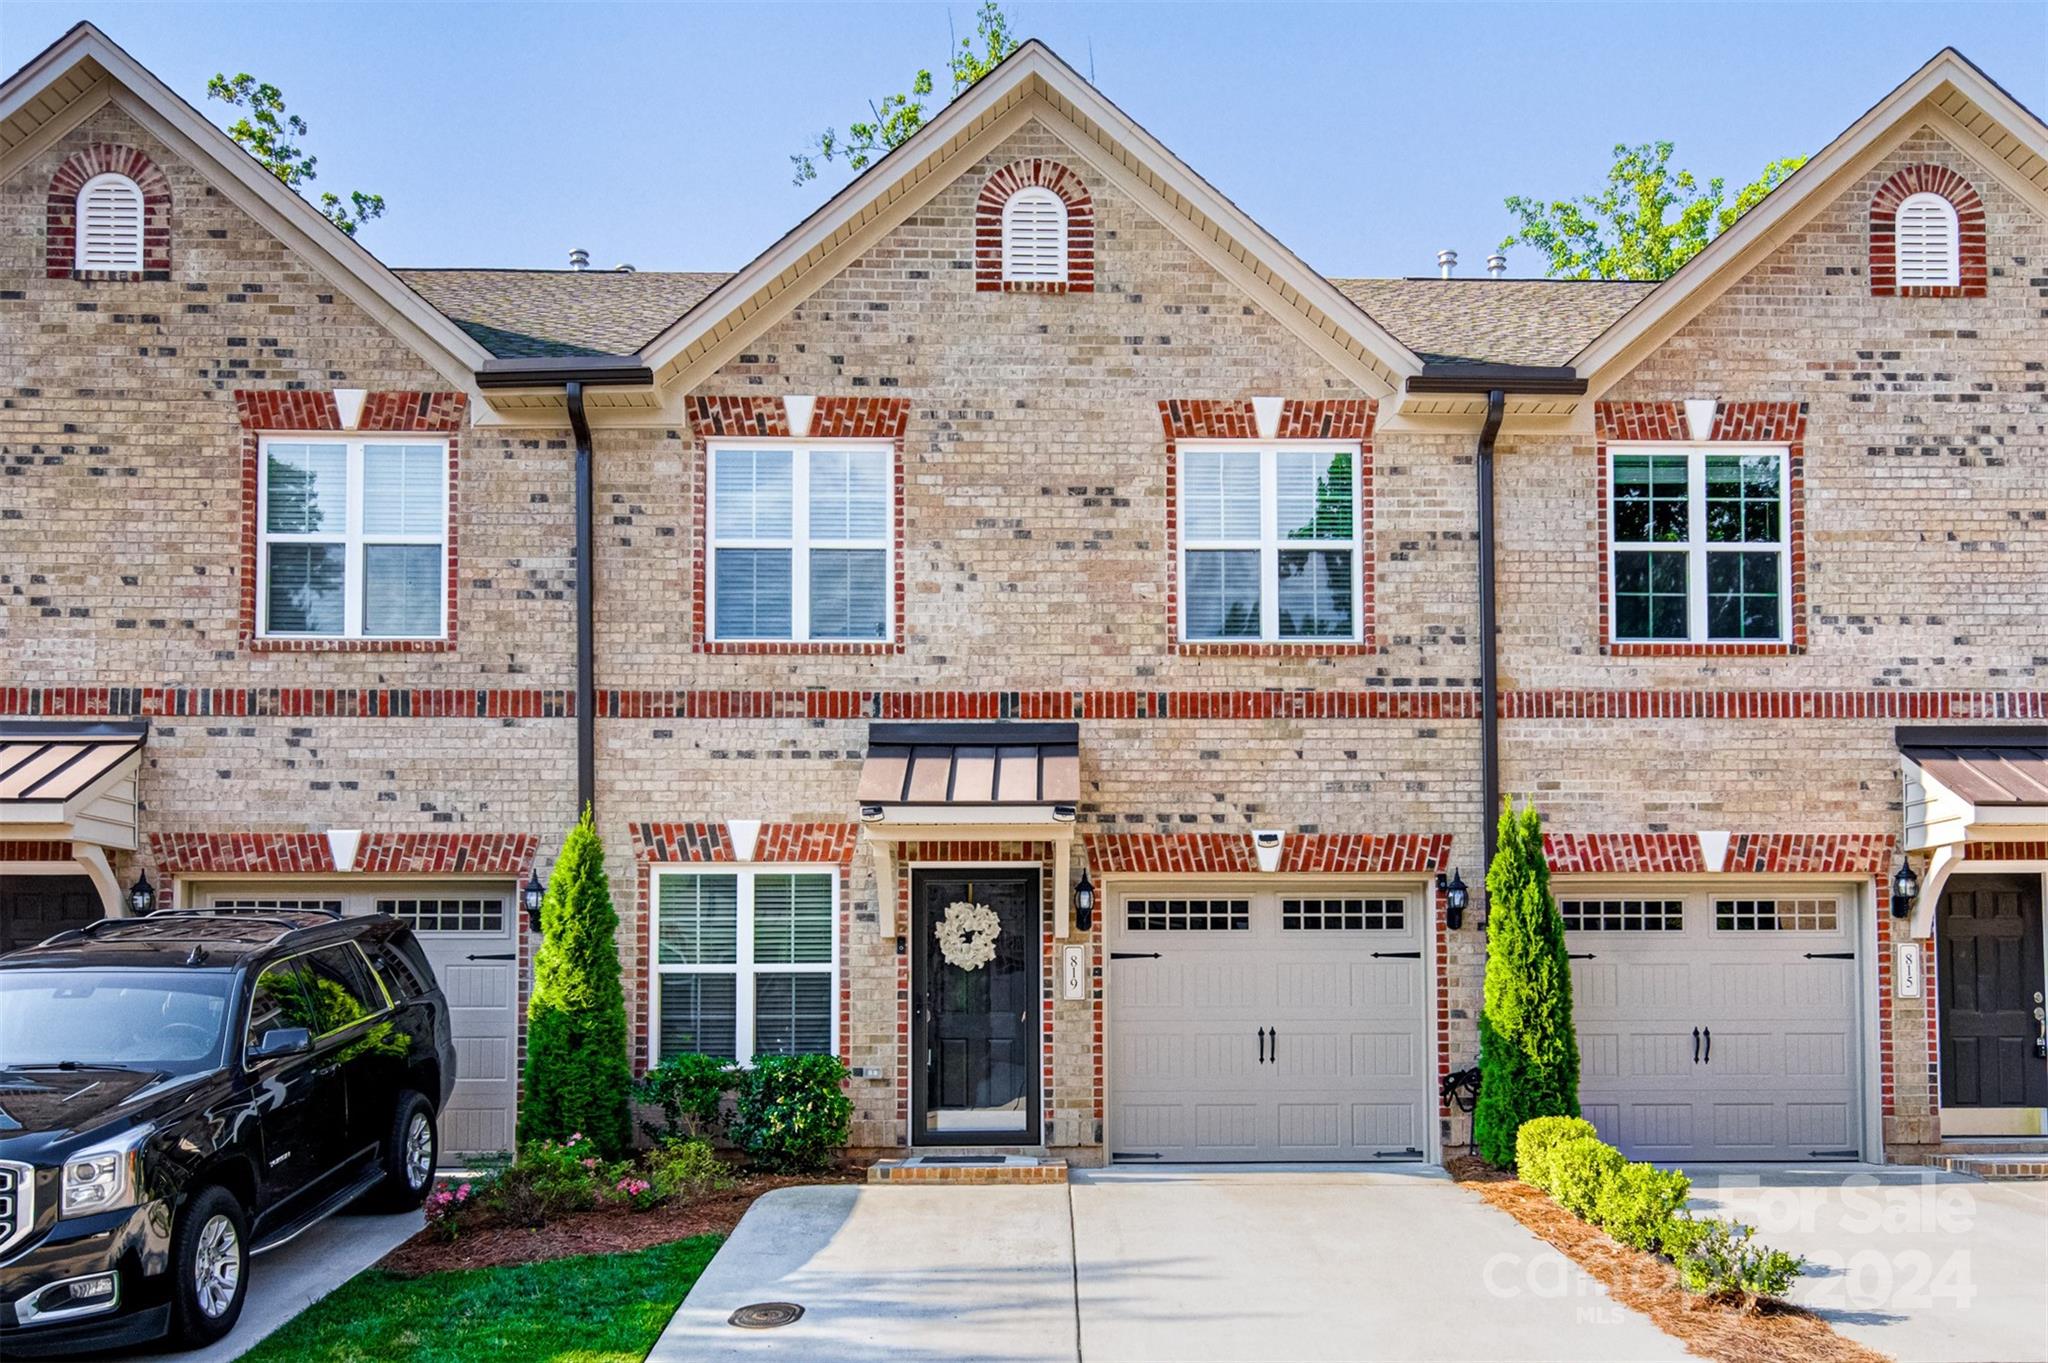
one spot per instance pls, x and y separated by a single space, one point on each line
1695 1045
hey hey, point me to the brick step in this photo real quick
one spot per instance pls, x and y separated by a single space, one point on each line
967 1168
2007 1165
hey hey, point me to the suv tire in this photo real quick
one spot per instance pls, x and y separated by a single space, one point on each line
209 1267
408 1155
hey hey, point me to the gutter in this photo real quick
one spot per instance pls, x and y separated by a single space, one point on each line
574 375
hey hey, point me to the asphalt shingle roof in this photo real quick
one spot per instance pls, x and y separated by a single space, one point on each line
518 314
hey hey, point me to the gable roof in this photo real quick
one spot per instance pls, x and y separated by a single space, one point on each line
1536 322
1949 93
84 70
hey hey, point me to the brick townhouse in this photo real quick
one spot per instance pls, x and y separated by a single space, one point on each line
1029 634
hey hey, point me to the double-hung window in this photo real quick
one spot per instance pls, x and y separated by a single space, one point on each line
744 963
1698 543
354 538
802 546
1269 542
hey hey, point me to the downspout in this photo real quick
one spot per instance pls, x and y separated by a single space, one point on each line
1489 644
586 625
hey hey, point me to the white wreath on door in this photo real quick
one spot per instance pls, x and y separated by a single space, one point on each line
967 934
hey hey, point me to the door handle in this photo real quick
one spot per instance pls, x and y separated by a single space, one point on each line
1710 1045
1695 1045
499 956
1273 1045
1262 1045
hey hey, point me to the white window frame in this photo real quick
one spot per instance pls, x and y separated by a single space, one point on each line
130 261
1696 546
352 536
1036 194
799 542
1952 223
743 967
1270 543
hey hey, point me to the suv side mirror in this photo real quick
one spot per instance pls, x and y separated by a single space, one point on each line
281 1041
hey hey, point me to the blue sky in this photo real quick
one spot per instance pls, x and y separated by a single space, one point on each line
1363 136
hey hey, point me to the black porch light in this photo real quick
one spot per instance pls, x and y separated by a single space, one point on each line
530 897
1455 898
1084 902
1905 888
141 895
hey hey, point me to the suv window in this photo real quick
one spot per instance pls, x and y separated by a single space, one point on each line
403 976
343 990
280 999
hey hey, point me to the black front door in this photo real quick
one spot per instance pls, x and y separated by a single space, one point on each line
35 907
1991 993
975 1007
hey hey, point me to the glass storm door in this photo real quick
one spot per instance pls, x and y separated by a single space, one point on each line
975 1007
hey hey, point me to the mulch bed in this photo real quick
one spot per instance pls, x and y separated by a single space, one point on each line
604 1231
1775 1332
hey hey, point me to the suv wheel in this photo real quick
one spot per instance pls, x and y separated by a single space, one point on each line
209 1267
410 1148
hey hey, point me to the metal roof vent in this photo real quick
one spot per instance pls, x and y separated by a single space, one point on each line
579 259
623 269
1496 265
1447 262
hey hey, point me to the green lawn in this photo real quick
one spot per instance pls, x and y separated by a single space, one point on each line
600 1308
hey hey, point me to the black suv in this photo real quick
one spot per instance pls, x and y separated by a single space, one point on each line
181 1091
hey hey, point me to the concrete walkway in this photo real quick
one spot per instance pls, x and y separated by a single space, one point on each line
1928 1267
1185 1265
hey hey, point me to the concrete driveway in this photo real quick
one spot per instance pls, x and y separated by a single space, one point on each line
292 1277
1162 1264
1928 1267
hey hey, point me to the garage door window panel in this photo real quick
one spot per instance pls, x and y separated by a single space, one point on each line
1622 915
1776 915
447 915
1342 915
745 963
1188 915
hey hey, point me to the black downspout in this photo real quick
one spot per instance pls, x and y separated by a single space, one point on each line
586 633
1489 660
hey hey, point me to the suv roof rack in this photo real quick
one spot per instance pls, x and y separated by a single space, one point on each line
284 922
266 915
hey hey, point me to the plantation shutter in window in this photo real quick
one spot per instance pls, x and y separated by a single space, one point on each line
1928 244
110 224
1035 236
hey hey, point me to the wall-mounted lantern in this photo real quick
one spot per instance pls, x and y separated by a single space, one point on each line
1084 902
1455 899
1905 888
141 895
530 897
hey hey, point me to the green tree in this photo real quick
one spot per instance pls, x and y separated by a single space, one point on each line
577 1075
895 117
1528 1053
266 132
1649 220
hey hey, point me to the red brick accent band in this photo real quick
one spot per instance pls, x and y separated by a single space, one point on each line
1732 704
818 841
2005 851
988 228
832 418
60 214
1346 419
35 850
1849 854
1972 271
1771 423
1233 853
1622 854
378 854
267 410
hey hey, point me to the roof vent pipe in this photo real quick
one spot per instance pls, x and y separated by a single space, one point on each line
624 269
1496 265
1447 262
579 259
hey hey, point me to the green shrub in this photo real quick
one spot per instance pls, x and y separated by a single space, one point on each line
1578 1169
1528 1054
577 1077
548 1179
1538 1138
792 1112
687 1168
689 1089
1720 1259
1639 1202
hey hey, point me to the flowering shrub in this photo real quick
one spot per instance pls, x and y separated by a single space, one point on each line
547 1179
448 1209
638 1194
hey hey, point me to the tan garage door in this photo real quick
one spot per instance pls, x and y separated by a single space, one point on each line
1717 1026
1269 1025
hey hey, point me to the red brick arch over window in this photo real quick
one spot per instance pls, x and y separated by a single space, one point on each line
988 228
1971 272
61 237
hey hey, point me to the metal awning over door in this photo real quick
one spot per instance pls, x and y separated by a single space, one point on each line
70 786
1983 783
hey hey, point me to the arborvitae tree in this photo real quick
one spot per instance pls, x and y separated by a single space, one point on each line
577 1075
1528 1053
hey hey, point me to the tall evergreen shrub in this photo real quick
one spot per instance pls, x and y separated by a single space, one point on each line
1528 1053
577 1075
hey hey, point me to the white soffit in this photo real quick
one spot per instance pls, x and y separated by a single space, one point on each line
1948 89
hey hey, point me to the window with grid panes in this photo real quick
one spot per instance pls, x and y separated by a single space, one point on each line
354 538
743 963
801 542
1269 543
1698 542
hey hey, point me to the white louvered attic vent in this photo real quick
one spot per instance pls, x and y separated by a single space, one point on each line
1035 236
110 224
1928 241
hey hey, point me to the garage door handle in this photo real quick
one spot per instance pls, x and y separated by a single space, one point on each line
500 956
1578 955
1830 955
1695 1045
1273 1042
1398 955
1134 956
1262 1045
1710 1045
